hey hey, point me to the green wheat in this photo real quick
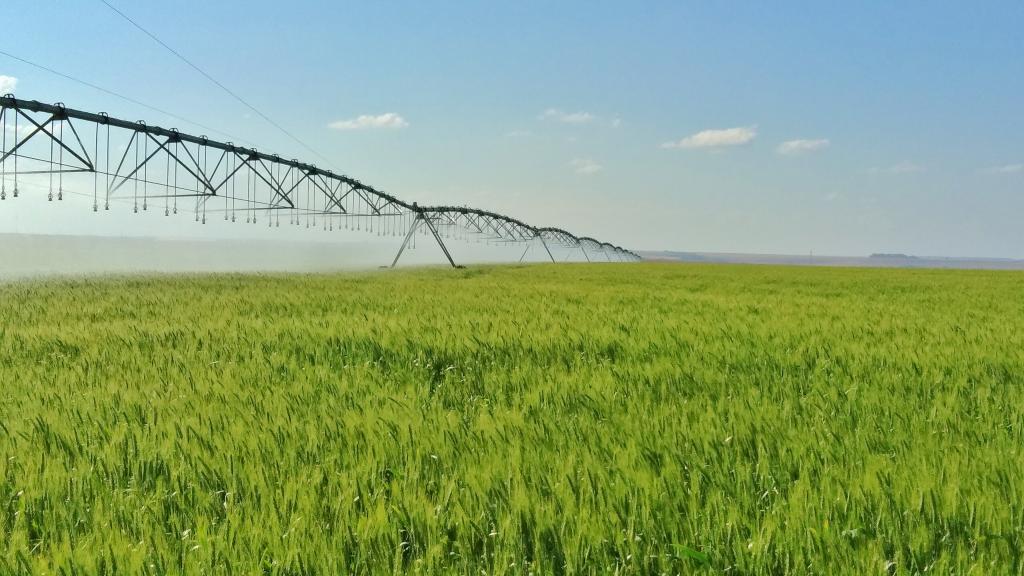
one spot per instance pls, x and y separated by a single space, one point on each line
547 419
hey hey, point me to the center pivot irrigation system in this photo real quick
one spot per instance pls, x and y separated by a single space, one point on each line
66 150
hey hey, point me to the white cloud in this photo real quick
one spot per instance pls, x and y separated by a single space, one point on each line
366 121
24 128
579 118
518 134
585 166
567 117
7 84
1005 169
716 138
794 147
904 167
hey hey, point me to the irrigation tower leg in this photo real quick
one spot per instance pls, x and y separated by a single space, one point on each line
440 242
546 249
524 252
584 250
408 236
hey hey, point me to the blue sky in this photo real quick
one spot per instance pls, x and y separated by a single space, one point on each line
753 127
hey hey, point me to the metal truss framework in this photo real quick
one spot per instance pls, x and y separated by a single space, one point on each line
158 168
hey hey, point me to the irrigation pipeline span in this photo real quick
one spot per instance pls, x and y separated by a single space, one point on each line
153 168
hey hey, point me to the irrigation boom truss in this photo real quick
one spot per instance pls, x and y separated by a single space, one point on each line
157 168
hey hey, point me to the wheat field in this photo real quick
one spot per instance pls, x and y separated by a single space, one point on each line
633 418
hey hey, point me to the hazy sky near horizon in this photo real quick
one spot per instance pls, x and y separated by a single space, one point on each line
782 127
